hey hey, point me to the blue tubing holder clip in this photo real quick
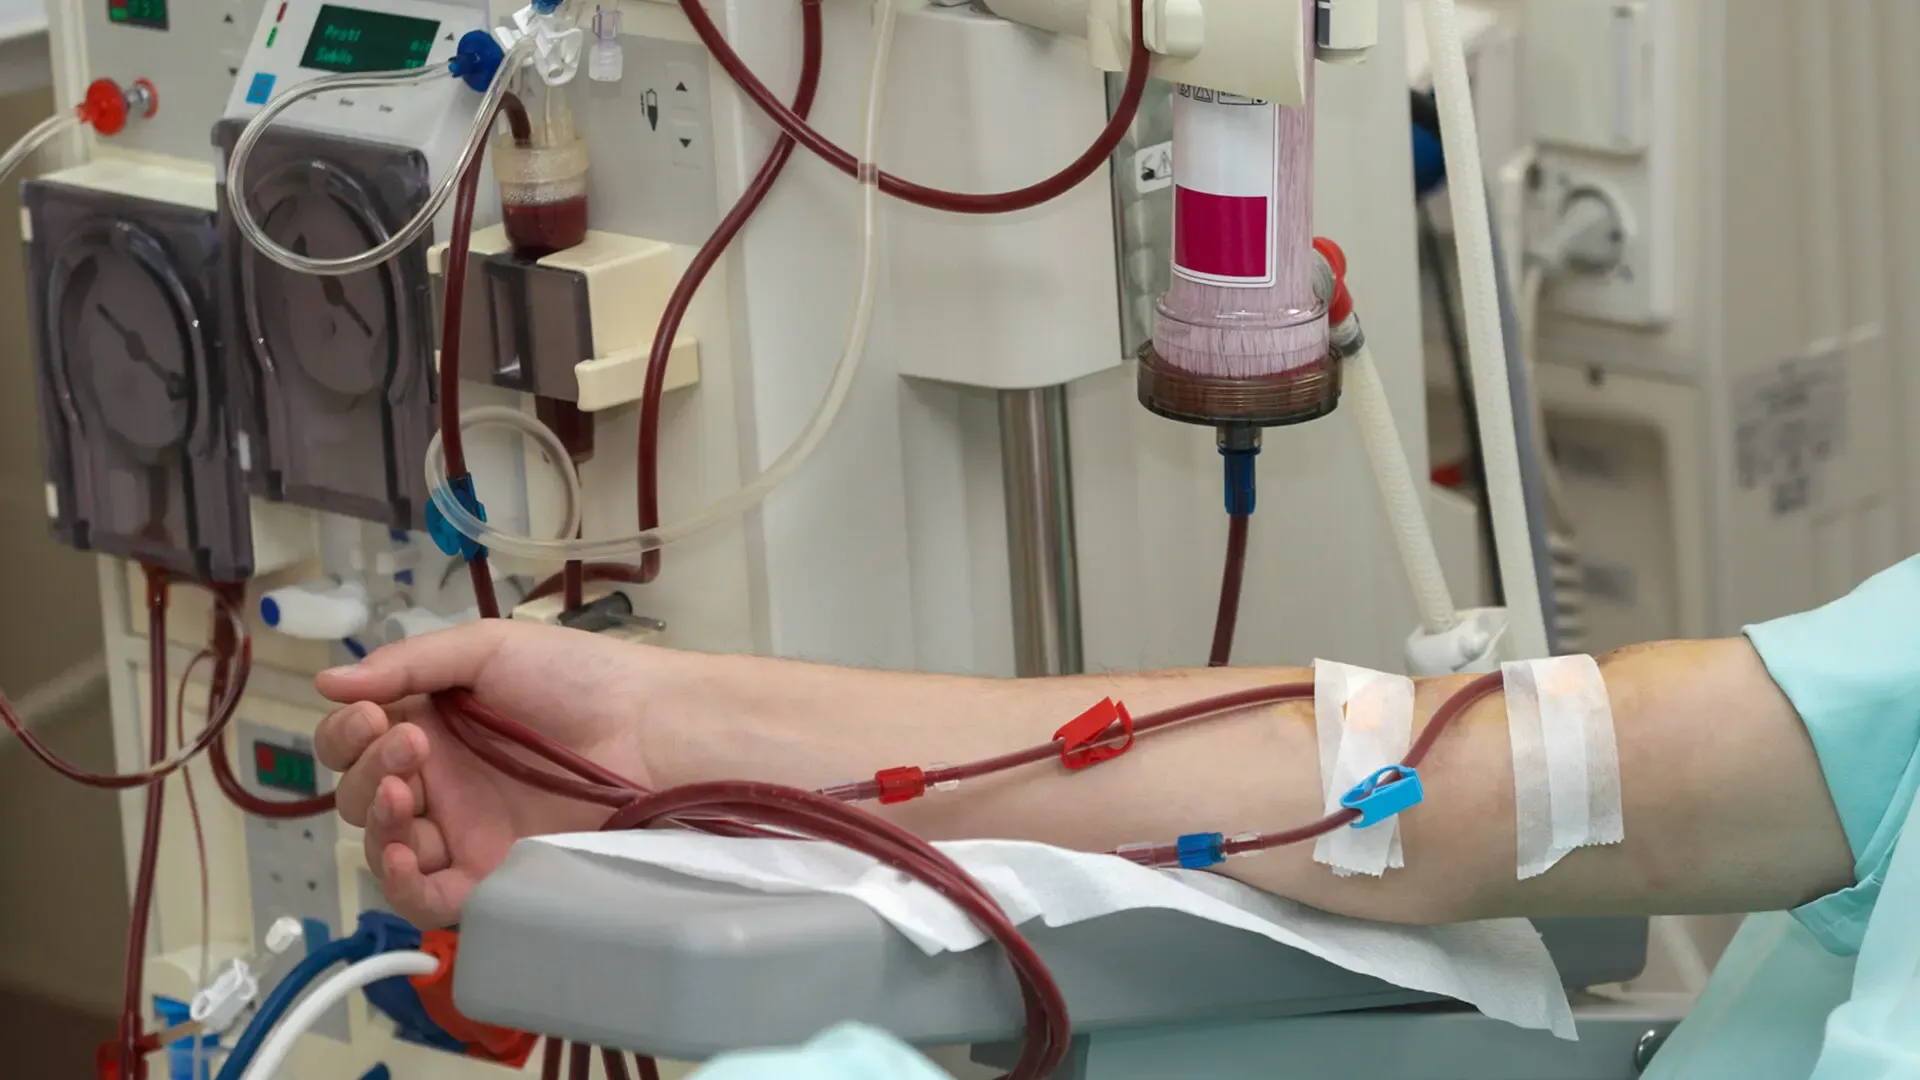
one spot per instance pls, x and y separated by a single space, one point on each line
449 540
1377 798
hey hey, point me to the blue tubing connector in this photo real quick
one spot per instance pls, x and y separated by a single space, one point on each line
1240 482
477 59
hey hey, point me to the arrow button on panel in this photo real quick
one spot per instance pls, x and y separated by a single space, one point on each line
688 143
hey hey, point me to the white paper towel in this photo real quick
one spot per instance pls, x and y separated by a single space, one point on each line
1500 967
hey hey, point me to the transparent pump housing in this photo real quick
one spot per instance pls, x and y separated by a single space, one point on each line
540 162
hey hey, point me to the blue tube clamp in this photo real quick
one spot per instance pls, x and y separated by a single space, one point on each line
1378 798
449 540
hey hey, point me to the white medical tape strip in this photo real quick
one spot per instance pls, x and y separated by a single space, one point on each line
1364 720
1566 760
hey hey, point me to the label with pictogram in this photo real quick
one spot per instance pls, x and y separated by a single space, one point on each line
1225 171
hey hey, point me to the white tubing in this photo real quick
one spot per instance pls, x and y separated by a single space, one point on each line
1473 233
1406 511
860 324
330 992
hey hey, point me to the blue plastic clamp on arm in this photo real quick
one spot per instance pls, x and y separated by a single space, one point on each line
348 950
1378 798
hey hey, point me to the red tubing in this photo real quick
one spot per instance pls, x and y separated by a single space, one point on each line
579 1062
226 615
614 1064
1449 711
459 249
235 665
550 1054
1048 1025
1231 576
811 64
1139 66
646 1067
132 1016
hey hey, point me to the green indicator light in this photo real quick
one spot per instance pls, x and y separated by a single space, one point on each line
271 35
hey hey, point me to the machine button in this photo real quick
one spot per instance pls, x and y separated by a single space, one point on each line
686 143
683 87
260 89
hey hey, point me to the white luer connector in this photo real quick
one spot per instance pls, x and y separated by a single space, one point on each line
557 47
215 1008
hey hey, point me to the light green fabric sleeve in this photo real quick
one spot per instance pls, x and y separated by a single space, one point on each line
1852 670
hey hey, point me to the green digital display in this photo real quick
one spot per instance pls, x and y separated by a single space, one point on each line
150 14
283 769
349 39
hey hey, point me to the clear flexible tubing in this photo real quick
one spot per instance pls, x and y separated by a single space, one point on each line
1527 633
859 326
406 235
502 417
41 134
331 992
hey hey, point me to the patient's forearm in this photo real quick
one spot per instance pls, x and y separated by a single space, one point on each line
1726 809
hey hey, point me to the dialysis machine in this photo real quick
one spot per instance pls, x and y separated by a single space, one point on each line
993 500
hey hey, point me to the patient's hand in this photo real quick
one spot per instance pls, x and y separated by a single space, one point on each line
438 819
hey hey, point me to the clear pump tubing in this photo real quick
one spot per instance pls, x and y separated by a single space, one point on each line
501 416
860 325
42 133
404 237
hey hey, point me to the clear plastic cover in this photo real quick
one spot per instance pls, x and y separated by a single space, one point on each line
337 371
139 436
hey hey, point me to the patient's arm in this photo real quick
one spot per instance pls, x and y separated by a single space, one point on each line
1726 808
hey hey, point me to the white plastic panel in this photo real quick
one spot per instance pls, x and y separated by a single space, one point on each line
191 63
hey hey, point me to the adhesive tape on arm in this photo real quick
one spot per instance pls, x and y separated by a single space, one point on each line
1364 720
1566 760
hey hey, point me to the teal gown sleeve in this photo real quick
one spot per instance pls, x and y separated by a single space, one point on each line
1789 1000
1852 670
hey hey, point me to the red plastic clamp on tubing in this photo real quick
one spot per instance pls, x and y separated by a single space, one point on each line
1341 305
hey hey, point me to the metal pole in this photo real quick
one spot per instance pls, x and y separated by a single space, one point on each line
1041 549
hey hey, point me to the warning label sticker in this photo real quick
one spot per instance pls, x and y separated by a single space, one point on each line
1789 421
1225 232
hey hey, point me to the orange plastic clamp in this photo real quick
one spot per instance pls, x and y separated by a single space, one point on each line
504 1046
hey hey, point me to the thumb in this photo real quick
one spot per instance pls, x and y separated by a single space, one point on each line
446 660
